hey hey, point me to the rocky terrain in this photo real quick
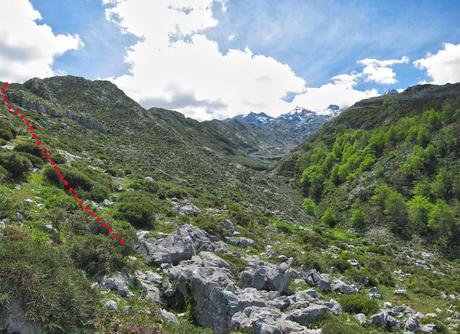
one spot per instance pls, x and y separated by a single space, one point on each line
211 244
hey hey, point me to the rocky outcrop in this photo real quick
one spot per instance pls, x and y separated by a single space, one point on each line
119 282
180 245
263 275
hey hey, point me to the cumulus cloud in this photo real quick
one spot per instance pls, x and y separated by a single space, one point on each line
175 65
443 66
340 91
380 71
28 49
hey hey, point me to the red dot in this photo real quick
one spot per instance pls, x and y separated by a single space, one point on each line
38 143
75 196
115 236
5 99
6 84
61 176
56 170
104 225
27 122
16 112
121 241
87 208
22 116
3 91
34 136
66 183
52 163
70 190
80 203
10 107
43 149
98 219
48 156
92 214
31 129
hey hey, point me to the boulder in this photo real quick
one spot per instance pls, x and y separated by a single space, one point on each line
111 305
119 282
168 316
361 317
374 293
186 208
149 282
265 276
306 315
343 287
240 242
412 324
180 245
228 226
28 202
385 320
264 320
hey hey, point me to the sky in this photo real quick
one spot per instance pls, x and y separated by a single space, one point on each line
221 58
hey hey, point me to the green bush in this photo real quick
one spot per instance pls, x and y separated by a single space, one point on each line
16 164
329 218
137 209
335 327
310 206
357 303
7 132
30 148
53 294
357 217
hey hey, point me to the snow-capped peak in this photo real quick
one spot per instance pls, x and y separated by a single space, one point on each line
332 110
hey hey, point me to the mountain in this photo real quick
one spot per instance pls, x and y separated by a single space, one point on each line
210 244
391 161
266 139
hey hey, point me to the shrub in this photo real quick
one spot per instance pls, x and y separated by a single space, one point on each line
310 206
334 327
329 218
357 217
137 209
7 132
29 148
43 279
16 164
357 303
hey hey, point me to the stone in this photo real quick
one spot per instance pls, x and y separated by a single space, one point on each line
385 320
111 305
28 202
3 223
313 277
374 293
149 282
240 242
354 263
49 228
264 320
142 235
361 317
333 306
228 226
412 324
428 328
118 282
149 178
307 315
168 316
343 287
269 252
106 202
401 292
325 282
186 208
265 276
178 246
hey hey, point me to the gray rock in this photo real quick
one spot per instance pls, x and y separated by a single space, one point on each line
149 178
325 282
168 316
49 228
264 320
14 320
269 252
180 245
374 293
265 276
28 202
307 315
3 223
401 292
428 328
186 208
385 320
228 226
313 277
106 202
333 306
240 242
412 324
343 287
111 305
361 317
118 282
142 235
150 282
354 263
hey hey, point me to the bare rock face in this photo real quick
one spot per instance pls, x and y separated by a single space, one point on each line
180 245
118 282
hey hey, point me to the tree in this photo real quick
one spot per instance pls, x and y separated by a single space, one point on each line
357 217
419 210
329 218
310 206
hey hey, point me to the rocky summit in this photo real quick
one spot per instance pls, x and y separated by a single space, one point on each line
341 222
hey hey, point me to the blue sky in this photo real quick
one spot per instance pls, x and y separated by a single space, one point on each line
317 40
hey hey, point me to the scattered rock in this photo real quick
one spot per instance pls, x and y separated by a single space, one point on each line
168 316
228 226
400 292
149 282
111 305
118 282
412 324
49 228
186 208
384 319
269 252
28 202
361 317
306 315
178 246
240 242
343 287
106 202
374 293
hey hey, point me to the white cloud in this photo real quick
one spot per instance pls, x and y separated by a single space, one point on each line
341 92
380 71
28 49
177 67
443 66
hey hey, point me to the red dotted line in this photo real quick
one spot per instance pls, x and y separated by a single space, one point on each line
86 208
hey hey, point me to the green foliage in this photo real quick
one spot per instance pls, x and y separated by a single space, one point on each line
357 217
357 303
16 164
137 209
7 131
328 218
310 206
42 278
